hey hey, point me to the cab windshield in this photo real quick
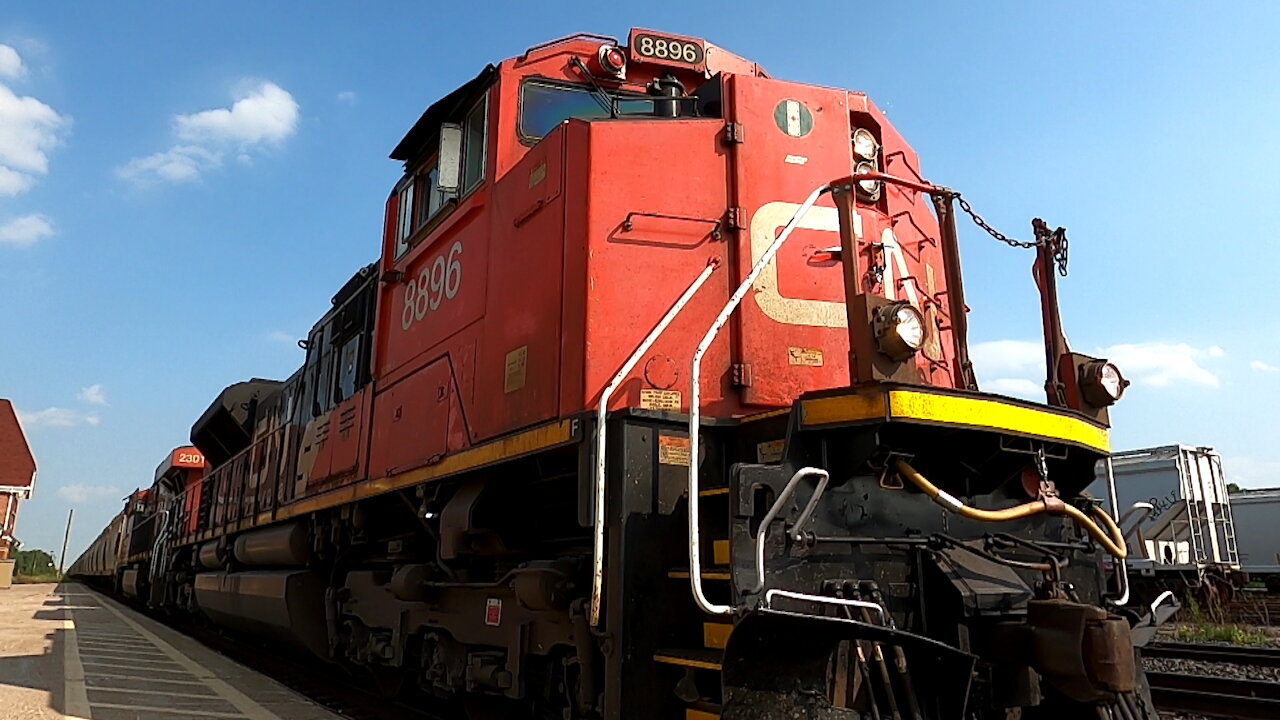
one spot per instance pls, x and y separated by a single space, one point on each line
543 106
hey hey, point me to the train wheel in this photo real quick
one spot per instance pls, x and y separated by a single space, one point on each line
1215 595
389 681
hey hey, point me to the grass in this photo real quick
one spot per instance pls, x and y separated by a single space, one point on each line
1231 634
32 579
1201 630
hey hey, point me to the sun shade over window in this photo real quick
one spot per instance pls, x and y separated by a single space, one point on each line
544 106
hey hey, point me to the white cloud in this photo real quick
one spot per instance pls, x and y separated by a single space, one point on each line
13 182
1005 357
25 231
181 163
94 395
28 130
347 96
1016 367
1160 364
267 113
1263 367
1016 387
79 493
11 63
281 336
1251 472
1010 367
56 417
263 115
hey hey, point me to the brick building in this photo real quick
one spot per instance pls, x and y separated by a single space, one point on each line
17 474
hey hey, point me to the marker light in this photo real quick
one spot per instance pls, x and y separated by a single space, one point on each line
899 330
864 144
871 188
613 60
1101 383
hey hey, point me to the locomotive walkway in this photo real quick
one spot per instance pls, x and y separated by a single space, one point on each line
68 652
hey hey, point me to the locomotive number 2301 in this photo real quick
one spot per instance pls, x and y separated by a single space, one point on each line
437 282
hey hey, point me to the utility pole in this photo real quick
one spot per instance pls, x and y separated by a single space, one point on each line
62 559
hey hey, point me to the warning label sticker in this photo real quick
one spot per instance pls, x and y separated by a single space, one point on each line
651 399
804 356
516 367
493 612
673 450
770 451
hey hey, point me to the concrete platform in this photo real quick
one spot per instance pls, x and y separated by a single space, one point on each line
69 652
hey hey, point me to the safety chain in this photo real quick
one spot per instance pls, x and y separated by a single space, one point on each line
1056 240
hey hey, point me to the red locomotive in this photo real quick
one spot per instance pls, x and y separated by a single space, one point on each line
658 401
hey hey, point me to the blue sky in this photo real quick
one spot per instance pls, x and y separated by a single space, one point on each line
183 187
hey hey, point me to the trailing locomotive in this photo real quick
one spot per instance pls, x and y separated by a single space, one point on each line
658 402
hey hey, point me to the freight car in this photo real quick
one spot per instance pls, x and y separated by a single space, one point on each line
1256 512
658 402
1174 506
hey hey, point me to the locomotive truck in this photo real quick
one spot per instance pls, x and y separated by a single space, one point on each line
658 403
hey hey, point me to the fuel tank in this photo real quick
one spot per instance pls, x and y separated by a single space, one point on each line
287 605
211 555
129 583
282 546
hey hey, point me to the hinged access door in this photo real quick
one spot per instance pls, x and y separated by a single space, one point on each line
791 329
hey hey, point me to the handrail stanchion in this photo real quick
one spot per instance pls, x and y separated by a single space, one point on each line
597 577
1122 571
695 398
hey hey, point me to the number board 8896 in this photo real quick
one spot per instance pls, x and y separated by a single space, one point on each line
648 47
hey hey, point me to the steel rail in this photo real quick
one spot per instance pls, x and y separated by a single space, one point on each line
1215 696
1239 655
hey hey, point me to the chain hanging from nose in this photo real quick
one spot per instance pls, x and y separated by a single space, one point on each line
1054 240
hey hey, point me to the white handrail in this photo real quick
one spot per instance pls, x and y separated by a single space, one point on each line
790 488
1122 572
695 399
863 604
597 578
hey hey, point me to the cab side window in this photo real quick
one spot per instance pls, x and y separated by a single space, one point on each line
404 219
433 198
473 148
421 199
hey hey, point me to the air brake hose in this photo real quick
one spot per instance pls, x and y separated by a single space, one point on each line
1110 539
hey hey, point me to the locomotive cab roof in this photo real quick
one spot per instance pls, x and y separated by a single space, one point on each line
413 144
224 429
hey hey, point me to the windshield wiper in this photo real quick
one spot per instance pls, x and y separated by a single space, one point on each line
602 96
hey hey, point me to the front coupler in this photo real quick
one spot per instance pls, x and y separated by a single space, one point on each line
787 665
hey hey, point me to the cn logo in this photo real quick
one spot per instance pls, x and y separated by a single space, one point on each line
765 225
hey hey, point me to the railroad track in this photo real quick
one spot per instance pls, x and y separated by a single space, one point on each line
326 684
1255 607
1215 696
1258 656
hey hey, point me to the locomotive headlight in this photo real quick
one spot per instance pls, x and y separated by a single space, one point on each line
864 144
869 187
899 330
1101 383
